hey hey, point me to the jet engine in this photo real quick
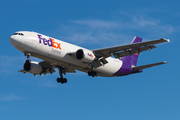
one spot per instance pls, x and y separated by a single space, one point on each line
32 67
85 55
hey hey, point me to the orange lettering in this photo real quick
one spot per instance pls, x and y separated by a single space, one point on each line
52 42
55 44
58 46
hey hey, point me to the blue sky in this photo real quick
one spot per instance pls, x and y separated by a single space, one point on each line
153 94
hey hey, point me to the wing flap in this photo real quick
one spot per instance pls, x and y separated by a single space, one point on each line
144 48
133 51
69 70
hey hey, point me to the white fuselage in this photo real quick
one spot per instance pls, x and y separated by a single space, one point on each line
57 52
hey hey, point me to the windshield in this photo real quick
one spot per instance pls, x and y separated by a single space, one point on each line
19 34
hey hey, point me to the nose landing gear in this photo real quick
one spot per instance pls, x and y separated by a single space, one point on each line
27 54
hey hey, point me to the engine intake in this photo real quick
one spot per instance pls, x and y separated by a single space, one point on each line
85 55
32 67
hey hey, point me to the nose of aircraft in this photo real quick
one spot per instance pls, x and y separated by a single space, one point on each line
12 40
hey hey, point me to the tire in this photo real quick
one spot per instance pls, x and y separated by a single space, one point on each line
65 80
58 80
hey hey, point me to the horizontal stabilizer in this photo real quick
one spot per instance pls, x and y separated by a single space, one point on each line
147 66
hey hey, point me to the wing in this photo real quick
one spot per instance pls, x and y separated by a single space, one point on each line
49 68
129 49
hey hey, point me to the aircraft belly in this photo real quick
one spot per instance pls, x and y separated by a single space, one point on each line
111 67
59 56
56 61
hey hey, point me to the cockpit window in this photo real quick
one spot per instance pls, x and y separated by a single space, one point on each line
15 33
19 34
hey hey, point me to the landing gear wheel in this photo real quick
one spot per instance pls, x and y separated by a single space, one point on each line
89 73
58 80
61 80
92 73
65 80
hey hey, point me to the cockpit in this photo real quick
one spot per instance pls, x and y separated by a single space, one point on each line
19 34
25 34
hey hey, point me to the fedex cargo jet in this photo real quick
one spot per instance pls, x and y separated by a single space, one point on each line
106 62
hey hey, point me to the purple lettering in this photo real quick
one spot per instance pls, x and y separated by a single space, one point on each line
39 36
50 42
89 54
45 41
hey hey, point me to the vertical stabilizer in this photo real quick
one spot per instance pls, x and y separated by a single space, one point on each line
132 60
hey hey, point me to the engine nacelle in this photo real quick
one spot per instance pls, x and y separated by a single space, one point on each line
32 67
85 55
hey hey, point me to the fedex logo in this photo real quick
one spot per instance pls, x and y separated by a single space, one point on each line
136 54
90 55
50 42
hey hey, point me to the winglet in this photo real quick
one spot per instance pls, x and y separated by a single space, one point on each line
164 62
166 39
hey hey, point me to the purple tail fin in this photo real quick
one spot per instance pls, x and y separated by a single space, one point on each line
132 60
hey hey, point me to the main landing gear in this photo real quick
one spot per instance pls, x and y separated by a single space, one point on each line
92 72
61 79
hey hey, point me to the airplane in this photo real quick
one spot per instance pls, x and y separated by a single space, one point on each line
106 62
